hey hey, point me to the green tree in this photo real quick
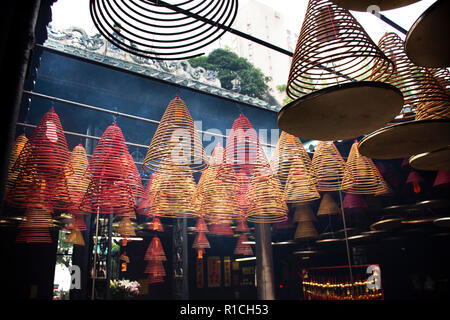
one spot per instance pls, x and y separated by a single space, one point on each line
230 66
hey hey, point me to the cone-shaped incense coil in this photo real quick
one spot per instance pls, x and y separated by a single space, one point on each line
133 176
243 248
147 199
354 201
287 150
111 189
155 250
383 188
442 178
305 230
124 258
243 181
125 228
177 139
77 222
201 242
424 96
243 150
15 152
327 206
266 200
415 178
75 237
300 186
79 181
45 156
333 48
173 192
304 213
155 269
242 226
366 178
332 172
442 75
156 225
222 228
201 226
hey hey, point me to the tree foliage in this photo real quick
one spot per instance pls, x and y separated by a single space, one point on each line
230 66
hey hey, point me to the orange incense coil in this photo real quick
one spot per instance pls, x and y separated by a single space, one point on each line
305 230
327 205
366 177
333 48
133 176
303 213
288 149
176 138
201 226
75 237
79 181
243 248
424 95
147 199
125 228
77 222
415 179
173 192
266 198
442 75
200 253
332 172
15 152
111 189
243 182
156 225
45 156
243 151
300 185
201 241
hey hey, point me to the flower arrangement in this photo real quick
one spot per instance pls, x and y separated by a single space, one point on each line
124 289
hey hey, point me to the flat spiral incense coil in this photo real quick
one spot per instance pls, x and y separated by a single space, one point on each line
111 190
15 152
159 29
363 5
366 178
336 94
266 200
331 169
426 42
433 161
45 157
177 139
287 149
300 185
424 95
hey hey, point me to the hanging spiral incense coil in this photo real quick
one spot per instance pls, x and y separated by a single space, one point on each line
332 49
44 157
243 248
112 189
18 145
332 172
177 139
79 181
367 179
160 30
147 199
287 149
424 95
442 75
364 5
300 185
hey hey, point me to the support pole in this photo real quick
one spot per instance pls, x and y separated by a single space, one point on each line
264 262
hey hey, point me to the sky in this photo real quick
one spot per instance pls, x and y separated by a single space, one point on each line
67 13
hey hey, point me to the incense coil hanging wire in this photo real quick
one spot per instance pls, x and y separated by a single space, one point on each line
367 179
332 172
161 30
333 48
424 95
287 149
176 138
44 157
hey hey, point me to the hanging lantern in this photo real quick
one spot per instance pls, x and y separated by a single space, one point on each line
415 178
176 138
110 190
288 149
332 172
327 205
336 94
425 97
366 178
45 156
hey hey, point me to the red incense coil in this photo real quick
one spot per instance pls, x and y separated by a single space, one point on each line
415 178
354 202
111 189
45 156
223 228
133 176
147 198
201 241
242 226
155 250
156 225
243 248
201 226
